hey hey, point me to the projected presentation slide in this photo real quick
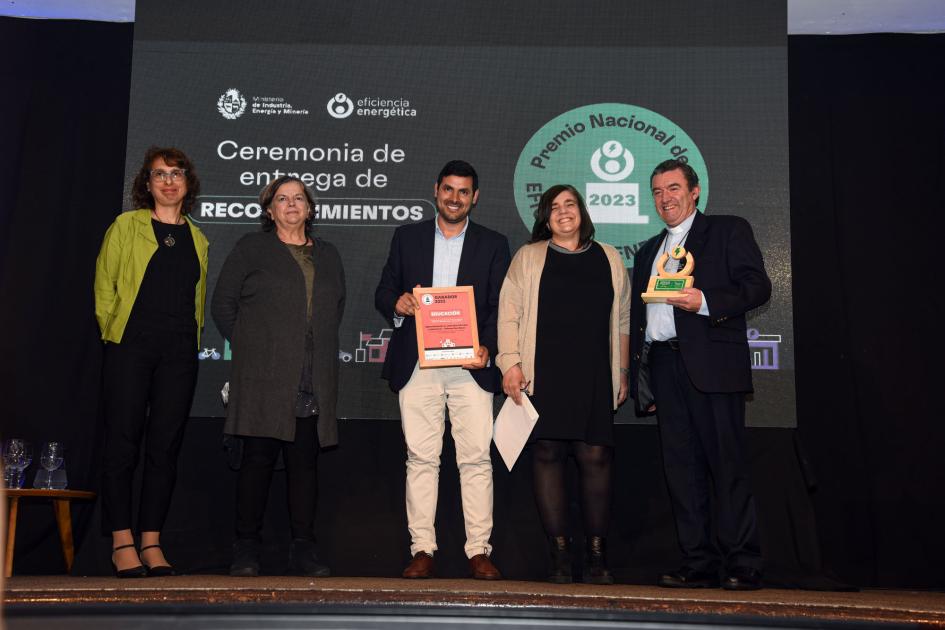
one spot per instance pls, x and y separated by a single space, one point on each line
366 101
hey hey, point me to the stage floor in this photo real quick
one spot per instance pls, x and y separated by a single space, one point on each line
44 596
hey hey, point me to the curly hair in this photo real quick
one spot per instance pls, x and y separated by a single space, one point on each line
141 197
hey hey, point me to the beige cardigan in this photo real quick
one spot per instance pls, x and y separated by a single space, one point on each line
518 311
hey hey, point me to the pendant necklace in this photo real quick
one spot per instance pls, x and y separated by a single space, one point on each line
168 240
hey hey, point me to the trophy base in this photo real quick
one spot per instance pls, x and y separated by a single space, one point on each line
659 298
662 288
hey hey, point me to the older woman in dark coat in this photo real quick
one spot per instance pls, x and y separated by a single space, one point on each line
279 300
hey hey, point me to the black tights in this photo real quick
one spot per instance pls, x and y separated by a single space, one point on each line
594 463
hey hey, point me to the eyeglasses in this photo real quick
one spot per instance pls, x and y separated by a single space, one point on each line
175 175
284 199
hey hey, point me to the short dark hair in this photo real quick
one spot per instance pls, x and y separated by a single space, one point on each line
541 231
671 165
459 168
141 197
269 193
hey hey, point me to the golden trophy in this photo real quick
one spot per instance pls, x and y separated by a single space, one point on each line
666 285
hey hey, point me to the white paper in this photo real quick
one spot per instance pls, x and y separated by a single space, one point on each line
512 427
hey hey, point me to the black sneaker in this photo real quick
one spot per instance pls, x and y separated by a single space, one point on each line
304 561
245 558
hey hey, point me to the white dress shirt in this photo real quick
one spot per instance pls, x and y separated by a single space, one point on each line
660 322
446 255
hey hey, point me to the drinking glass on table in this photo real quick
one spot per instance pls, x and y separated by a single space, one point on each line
51 459
24 461
17 456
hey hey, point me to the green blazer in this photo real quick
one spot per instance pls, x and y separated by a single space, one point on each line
119 269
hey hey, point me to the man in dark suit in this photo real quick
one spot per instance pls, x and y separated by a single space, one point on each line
449 250
694 350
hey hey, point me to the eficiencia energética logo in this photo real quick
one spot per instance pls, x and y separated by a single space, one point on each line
342 106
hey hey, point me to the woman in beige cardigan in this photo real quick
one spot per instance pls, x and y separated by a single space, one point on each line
564 324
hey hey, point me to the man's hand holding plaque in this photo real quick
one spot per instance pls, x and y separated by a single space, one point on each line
481 360
406 305
689 300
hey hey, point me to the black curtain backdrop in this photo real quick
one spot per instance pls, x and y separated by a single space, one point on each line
63 117
867 136
867 165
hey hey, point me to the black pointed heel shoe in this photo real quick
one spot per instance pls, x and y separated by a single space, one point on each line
133 572
164 570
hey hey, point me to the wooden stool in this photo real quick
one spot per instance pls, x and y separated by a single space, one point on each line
60 500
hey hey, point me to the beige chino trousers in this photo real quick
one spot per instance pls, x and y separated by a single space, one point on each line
423 403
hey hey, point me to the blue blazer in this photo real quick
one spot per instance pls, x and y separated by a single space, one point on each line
730 272
482 265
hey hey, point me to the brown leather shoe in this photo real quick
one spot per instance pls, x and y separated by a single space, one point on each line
420 567
483 569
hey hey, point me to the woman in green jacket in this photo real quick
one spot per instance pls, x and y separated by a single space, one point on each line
150 287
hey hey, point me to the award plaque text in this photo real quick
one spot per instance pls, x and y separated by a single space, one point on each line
447 333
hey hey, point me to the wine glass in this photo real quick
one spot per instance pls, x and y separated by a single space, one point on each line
51 459
10 451
25 459
17 456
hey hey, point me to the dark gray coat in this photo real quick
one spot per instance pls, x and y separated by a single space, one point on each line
259 306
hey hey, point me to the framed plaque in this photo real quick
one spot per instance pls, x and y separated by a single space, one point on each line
447 333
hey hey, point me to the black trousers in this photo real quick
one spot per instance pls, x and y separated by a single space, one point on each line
149 381
301 477
704 450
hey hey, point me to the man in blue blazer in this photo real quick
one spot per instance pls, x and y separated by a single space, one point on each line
690 363
449 250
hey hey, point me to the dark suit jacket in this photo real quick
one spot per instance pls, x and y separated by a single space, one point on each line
730 273
483 264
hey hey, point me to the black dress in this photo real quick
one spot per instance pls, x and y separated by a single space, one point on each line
573 391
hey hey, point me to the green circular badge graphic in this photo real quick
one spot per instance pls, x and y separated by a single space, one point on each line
607 151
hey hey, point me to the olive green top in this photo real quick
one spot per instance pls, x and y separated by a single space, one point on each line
303 256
